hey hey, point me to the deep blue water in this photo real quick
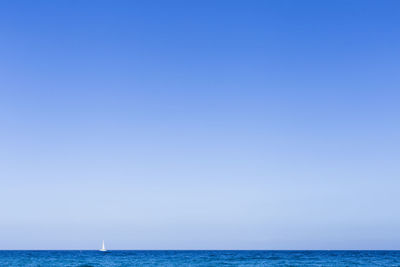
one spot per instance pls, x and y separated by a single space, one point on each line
199 258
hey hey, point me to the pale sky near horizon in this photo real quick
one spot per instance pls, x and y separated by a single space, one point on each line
199 124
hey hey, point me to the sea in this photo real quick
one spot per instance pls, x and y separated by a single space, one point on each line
86 258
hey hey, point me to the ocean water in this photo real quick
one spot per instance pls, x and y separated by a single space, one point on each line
198 258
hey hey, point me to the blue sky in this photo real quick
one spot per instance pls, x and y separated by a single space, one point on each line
199 124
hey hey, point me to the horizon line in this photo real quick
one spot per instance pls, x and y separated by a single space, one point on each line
202 249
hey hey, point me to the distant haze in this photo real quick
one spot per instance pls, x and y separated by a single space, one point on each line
199 124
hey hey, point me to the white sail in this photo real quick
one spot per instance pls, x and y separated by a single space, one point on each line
103 247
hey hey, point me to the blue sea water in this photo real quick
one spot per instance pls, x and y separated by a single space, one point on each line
198 258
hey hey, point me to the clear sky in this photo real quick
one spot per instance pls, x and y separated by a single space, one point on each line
200 124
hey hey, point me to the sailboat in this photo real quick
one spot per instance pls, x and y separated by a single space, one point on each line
103 248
